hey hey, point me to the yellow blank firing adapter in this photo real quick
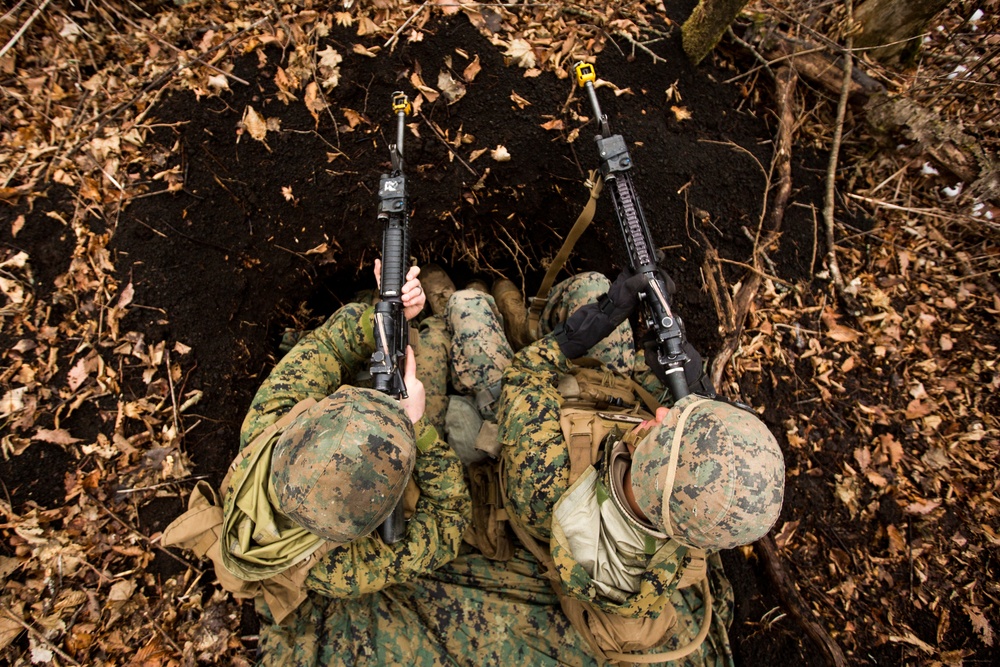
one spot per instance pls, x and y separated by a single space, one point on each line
400 102
584 73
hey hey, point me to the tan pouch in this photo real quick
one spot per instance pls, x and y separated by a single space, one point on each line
488 530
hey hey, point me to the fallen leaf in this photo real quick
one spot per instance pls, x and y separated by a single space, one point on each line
453 90
896 542
314 101
916 409
981 625
784 536
417 82
361 50
519 101
57 436
500 154
218 83
521 52
554 124
472 69
126 296
366 26
286 192
922 506
352 116
255 124
476 154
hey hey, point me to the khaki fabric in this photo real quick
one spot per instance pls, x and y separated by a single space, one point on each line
200 529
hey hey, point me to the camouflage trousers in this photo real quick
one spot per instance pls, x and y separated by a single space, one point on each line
472 611
432 353
479 348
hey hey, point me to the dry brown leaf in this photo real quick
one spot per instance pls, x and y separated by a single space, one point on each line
366 26
59 436
9 630
314 101
981 625
352 116
519 101
554 124
475 154
896 542
452 89
472 69
681 113
521 53
362 50
255 124
838 332
417 82
922 506
500 154
916 409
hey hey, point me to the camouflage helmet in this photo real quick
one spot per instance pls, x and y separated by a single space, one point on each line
341 466
728 481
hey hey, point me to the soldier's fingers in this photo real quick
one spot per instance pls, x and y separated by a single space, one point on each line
378 273
413 273
411 364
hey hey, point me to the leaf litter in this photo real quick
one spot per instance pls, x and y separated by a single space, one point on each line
896 409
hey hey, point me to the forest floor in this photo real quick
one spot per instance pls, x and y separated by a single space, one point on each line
184 184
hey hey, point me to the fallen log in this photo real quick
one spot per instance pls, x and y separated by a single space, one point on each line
896 120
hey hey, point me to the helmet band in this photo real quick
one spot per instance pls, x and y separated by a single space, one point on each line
675 450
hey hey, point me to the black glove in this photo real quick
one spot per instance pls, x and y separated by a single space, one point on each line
594 322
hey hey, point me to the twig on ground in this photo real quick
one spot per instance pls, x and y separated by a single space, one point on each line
785 81
794 603
749 47
831 172
142 537
448 146
24 28
642 46
407 22
37 635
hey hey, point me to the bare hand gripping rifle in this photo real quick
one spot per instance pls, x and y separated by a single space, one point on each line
392 333
616 163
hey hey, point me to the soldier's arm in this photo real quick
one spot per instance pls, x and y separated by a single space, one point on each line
433 533
534 450
318 364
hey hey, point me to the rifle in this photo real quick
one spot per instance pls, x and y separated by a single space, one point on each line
392 333
616 163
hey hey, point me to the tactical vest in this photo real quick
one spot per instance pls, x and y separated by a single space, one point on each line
595 403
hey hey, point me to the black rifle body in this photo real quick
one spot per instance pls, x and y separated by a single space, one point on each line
392 333
616 164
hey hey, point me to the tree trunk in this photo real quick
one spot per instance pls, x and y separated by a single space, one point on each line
897 24
706 25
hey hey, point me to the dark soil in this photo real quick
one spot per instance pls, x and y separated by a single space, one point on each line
221 265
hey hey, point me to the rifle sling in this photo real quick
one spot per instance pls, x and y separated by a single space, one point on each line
581 224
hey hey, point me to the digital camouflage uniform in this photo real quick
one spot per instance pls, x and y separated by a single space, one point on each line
320 362
479 349
536 457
